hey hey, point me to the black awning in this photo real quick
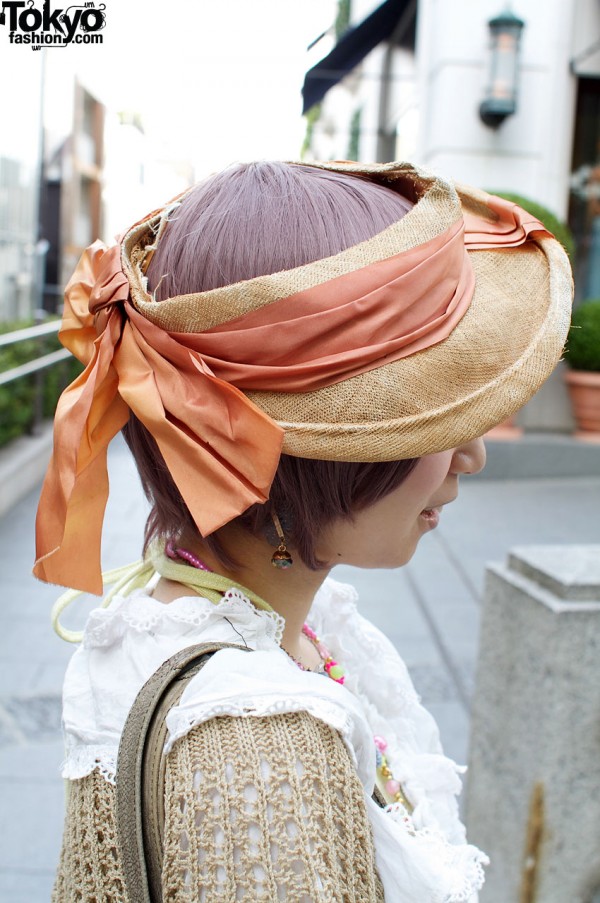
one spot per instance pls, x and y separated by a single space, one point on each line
350 50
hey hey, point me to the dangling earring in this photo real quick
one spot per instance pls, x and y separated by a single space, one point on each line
281 557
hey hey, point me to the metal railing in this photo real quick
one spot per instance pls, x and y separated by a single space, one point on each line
35 366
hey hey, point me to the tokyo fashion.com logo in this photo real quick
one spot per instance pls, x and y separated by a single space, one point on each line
47 27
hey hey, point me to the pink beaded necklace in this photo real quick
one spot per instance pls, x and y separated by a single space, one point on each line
174 552
332 668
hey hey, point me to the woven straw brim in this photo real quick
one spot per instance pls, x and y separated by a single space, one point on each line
496 358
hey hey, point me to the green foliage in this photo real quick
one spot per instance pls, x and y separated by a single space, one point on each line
17 399
354 139
312 117
342 20
559 229
583 346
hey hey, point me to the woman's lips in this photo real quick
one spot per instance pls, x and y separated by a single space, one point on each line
431 516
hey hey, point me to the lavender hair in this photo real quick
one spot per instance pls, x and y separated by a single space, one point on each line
251 220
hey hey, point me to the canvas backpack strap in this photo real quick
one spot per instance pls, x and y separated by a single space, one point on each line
141 769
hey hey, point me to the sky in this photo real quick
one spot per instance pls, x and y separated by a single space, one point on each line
218 80
215 82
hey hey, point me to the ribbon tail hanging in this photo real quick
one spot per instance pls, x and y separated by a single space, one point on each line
75 490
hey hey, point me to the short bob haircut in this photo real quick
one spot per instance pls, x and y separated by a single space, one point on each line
252 220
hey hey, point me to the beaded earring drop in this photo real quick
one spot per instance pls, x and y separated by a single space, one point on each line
281 557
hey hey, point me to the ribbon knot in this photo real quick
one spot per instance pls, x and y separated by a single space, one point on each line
110 284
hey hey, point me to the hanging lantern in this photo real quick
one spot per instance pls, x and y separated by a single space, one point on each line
501 95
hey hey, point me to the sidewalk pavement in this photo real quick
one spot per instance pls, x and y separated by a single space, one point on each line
430 610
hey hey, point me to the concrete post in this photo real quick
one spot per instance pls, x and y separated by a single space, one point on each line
533 795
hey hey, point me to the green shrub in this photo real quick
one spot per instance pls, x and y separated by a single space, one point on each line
559 229
342 18
583 346
312 117
354 138
17 399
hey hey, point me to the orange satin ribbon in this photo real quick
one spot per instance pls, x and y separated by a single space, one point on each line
512 227
222 450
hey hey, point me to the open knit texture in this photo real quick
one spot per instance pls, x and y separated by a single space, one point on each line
89 868
267 809
423 857
240 823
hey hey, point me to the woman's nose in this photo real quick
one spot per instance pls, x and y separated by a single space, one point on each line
469 458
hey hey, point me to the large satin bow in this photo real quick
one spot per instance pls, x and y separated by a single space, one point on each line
195 417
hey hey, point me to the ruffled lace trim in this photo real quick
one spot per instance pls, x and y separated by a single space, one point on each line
361 650
378 677
181 722
460 866
142 614
81 761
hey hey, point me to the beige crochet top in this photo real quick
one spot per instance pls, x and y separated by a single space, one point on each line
240 823
270 770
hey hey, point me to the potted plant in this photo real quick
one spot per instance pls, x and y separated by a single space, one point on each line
583 357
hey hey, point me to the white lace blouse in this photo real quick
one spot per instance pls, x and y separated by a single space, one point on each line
423 857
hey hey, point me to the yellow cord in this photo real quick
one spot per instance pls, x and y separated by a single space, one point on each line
124 579
130 577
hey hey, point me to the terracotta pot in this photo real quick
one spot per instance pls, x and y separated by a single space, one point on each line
584 389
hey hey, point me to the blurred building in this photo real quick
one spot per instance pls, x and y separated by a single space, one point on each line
71 209
360 97
507 99
72 169
21 254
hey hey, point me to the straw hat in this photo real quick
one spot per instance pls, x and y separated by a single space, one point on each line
494 359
